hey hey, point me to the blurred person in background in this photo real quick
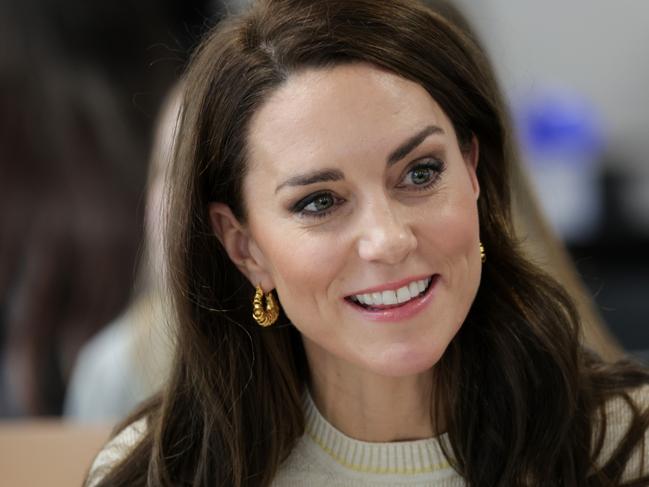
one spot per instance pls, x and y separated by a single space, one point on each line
80 83
129 360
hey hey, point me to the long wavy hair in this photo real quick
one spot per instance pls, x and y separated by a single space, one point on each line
522 401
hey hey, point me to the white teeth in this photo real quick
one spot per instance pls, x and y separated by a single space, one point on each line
401 295
413 288
389 297
422 285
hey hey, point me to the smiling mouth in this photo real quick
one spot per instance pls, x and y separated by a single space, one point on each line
395 298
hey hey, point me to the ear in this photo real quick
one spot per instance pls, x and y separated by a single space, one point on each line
239 245
471 158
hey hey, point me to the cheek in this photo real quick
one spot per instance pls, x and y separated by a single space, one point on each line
304 269
452 229
452 242
463 237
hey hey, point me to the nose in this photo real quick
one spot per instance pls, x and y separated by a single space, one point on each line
387 236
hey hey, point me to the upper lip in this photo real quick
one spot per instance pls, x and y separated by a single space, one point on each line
390 286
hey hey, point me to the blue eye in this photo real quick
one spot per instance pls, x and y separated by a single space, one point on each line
317 205
320 203
423 174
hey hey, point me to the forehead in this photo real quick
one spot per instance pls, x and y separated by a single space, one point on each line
332 115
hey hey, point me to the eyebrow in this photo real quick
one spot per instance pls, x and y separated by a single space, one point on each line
395 156
409 145
312 178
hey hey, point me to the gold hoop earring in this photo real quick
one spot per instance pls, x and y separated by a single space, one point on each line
264 315
483 255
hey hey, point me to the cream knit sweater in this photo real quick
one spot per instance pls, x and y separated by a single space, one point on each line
326 457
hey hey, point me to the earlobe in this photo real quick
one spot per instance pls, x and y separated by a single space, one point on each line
237 242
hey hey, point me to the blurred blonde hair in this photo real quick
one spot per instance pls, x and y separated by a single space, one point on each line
544 248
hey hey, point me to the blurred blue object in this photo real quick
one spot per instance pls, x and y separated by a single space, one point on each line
562 140
564 125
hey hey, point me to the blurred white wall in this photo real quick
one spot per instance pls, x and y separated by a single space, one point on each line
599 48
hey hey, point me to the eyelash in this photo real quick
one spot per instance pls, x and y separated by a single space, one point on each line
437 167
303 203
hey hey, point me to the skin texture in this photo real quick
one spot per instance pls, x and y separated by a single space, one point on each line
382 223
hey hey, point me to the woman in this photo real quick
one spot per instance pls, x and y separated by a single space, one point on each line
351 158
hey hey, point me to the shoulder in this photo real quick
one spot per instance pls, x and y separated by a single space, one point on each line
619 410
619 413
116 450
103 384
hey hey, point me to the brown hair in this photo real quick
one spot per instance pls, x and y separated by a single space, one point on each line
538 240
523 410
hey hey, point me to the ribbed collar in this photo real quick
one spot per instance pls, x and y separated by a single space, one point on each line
400 458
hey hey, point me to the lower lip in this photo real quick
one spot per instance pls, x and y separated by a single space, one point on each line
399 313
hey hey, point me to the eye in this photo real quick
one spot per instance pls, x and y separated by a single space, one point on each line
317 205
423 174
320 203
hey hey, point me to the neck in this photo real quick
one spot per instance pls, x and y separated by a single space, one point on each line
372 407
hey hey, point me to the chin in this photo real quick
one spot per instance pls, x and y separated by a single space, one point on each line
403 360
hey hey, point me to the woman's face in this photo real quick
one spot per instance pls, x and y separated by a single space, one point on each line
362 214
